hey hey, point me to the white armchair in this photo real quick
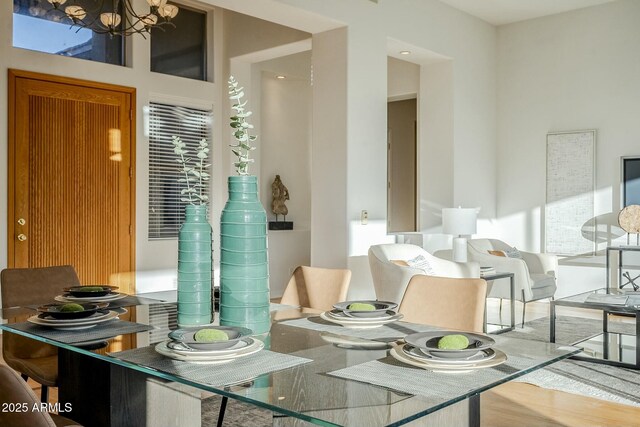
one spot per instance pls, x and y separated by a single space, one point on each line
534 274
390 277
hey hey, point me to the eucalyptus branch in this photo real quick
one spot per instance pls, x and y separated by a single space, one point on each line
194 178
241 129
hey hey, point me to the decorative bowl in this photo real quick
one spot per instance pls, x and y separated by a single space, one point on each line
53 310
382 308
88 291
185 336
427 342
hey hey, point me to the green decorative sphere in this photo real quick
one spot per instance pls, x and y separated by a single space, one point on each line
210 335
71 308
360 306
453 342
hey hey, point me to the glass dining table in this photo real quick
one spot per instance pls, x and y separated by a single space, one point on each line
310 371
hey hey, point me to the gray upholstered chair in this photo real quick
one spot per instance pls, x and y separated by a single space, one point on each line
31 286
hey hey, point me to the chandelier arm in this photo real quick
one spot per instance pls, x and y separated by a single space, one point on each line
130 21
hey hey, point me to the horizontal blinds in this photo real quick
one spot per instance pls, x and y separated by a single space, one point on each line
164 319
166 211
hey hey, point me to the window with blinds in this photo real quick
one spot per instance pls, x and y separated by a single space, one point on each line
166 211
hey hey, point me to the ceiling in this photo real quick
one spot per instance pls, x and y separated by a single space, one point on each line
500 12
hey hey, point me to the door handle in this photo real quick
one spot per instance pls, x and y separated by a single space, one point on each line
22 237
21 221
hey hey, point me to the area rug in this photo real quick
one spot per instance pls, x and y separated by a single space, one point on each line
583 378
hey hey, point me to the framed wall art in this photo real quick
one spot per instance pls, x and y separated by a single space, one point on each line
570 200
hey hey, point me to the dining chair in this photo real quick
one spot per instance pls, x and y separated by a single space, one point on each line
32 286
445 302
15 391
317 288
391 268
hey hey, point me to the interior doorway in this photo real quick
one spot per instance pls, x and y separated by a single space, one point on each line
402 165
71 177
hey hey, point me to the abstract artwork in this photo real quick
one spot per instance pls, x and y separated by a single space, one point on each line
570 192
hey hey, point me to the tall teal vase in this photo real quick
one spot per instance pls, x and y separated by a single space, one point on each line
194 268
244 267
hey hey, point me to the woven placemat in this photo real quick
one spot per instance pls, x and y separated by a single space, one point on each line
238 371
391 330
102 331
395 375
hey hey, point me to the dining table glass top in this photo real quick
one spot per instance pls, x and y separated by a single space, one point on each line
342 374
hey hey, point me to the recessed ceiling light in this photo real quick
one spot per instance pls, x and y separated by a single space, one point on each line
405 52
280 77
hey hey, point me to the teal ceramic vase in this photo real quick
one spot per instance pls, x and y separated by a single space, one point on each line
194 268
244 267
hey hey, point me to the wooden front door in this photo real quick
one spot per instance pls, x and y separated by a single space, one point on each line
71 187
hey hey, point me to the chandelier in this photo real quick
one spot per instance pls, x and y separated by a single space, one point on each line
105 20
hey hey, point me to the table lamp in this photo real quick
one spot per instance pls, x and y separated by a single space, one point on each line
460 222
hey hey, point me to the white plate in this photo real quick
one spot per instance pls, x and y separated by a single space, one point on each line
106 298
352 342
98 315
254 347
360 323
242 343
398 353
65 325
419 354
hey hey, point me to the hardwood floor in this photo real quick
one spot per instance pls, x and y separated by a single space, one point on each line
526 405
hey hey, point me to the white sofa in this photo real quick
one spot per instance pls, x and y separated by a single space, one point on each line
390 280
534 274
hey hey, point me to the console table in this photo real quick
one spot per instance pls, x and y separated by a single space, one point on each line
620 250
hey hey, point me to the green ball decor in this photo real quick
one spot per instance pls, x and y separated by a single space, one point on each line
210 335
453 342
71 308
360 306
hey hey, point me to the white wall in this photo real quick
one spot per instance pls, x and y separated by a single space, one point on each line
285 117
576 70
403 79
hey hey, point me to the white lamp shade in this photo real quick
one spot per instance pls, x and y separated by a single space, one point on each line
459 221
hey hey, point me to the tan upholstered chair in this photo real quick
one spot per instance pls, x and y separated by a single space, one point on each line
445 302
14 390
317 288
32 286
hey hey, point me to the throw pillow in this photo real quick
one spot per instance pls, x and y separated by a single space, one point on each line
513 253
498 253
422 263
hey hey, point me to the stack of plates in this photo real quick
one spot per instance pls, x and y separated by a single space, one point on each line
422 350
94 293
342 314
100 316
183 346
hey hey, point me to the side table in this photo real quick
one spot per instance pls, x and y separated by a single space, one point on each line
512 302
620 250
